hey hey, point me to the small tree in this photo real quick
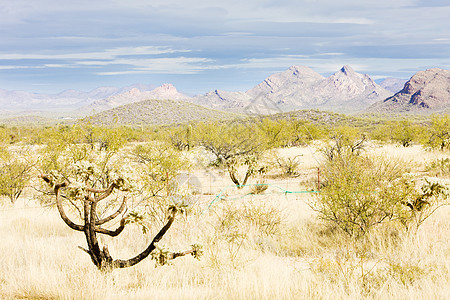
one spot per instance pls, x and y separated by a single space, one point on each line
405 132
234 146
15 174
420 204
160 164
360 192
353 187
93 185
440 132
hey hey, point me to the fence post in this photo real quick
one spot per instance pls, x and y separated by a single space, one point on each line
318 179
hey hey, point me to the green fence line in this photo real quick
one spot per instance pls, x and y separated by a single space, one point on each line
220 197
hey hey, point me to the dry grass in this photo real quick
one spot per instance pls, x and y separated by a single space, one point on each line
267 246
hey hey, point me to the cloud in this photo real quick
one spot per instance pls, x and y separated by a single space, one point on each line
107 54
84 40
175 65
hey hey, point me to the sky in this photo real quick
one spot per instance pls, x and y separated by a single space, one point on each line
47 46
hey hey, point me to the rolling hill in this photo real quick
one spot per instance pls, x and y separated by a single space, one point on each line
158 112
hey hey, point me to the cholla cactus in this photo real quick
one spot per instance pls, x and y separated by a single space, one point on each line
98 181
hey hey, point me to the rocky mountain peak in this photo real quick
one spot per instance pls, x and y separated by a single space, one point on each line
429 89
134 92
347 70
166 87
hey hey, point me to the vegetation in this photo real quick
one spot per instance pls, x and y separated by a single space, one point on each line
383 183
15 174
95 181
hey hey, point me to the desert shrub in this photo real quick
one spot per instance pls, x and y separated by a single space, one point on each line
344 143
405 133
303 132
181 137
161 164
439 167
272 133
15 174
353 192
360 192
439 134
236 147
259 188
422 202
238 227
289 165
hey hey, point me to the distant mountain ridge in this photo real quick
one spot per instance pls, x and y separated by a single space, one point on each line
66 100
165 91
300 87
297 88
425 91
393 85
158 112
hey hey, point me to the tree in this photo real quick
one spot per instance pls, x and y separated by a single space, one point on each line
345 141
353 195
440 132
235 146
360 192
96 186
405 132
161 164
15 174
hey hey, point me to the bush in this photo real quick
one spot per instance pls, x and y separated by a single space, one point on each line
354 190
440 132
15 174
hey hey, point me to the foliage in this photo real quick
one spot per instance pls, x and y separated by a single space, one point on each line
239 226
360 192
272 133
235 146
422 203
439 167
228 140
289 165
405 132
344 143
96 185
161 164
440 132
182 137
352 196
15 174
303 132
251 165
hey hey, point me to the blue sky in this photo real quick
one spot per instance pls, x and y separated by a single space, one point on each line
200 45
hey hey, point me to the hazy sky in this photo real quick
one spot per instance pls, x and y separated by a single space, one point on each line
201 45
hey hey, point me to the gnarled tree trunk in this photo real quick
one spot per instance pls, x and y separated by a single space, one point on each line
92 226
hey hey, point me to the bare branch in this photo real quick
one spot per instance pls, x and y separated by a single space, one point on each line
132 261
59 205
111 232
118 212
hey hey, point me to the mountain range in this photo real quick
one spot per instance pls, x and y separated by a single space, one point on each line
14 101
296 88
300 87
426 91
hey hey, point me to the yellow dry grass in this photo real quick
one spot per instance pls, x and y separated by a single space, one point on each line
296 258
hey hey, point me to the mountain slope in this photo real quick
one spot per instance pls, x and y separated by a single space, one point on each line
158 112
165 91
393 85
300 87
426 91
13 102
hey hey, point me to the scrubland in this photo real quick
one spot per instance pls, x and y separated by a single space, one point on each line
266 244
